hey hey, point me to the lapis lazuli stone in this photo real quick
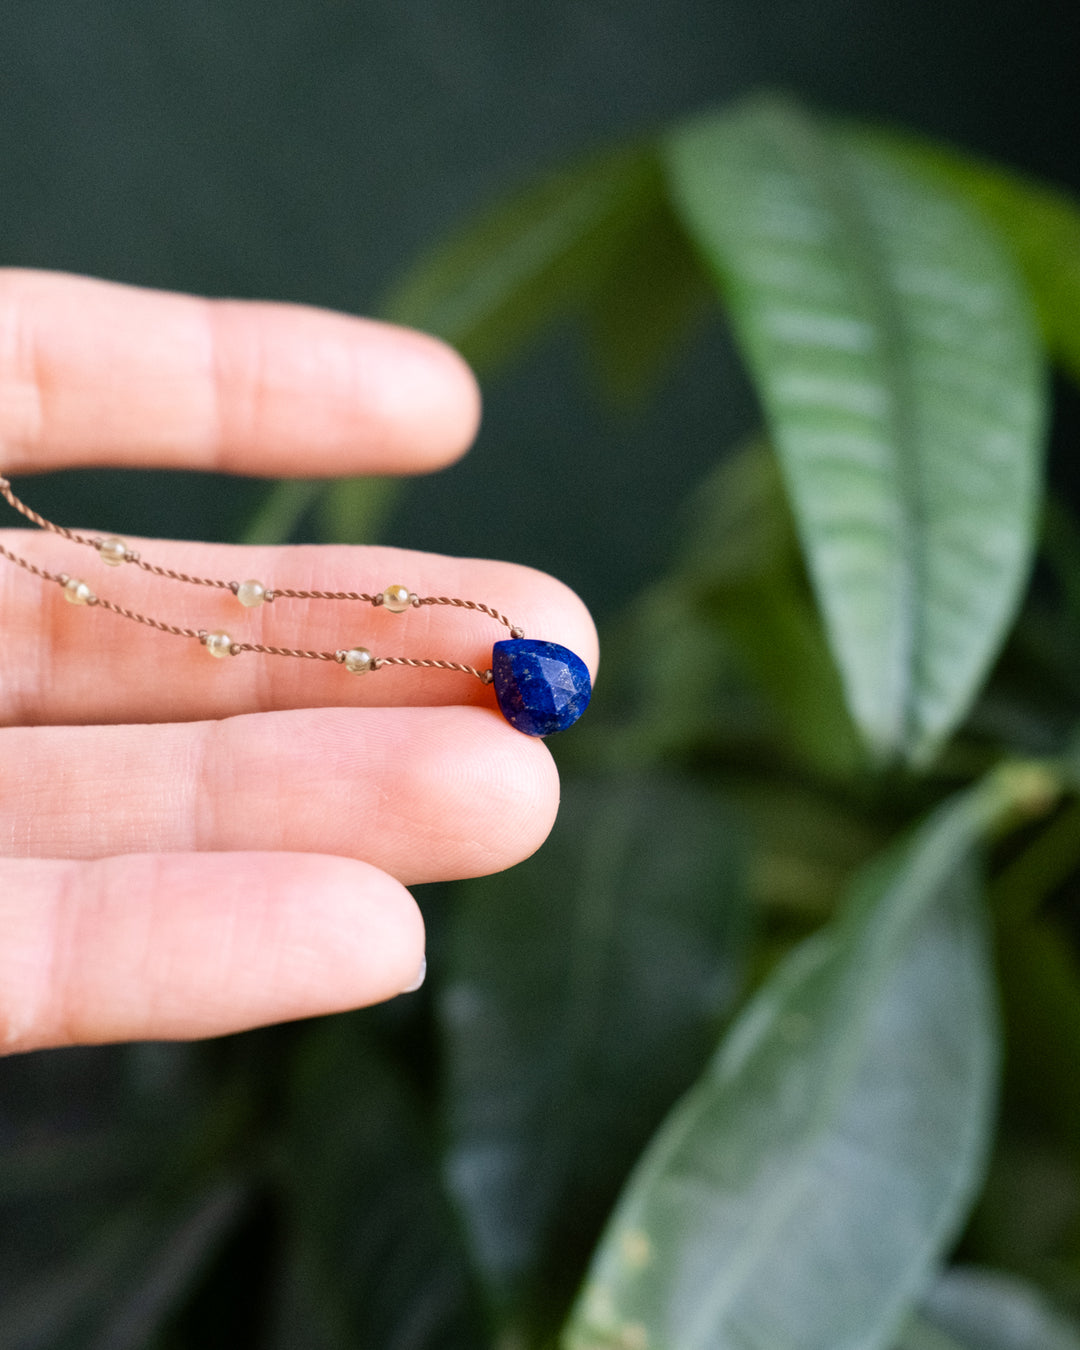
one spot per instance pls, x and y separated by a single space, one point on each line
541 687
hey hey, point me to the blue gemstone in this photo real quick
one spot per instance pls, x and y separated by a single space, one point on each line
541 687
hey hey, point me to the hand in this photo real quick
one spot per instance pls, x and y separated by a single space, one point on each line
190 846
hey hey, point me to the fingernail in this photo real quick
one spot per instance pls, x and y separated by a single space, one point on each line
420 976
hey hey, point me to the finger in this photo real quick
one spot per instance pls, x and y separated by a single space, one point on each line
92 372
152 947
425 794
65 663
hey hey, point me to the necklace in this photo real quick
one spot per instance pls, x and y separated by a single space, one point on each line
541 687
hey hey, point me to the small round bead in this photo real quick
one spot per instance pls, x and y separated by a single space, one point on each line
77 592
358 661
397 599
113 551
251 594
219 644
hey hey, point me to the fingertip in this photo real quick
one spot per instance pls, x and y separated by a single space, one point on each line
96 372
368 929
184 946
524 796
512 778
438 396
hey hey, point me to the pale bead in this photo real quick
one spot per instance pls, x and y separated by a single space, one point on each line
113 551
251 594
219 644
358 661
396 599
77 592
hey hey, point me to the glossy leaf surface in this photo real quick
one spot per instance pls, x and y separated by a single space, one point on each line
743 568
858 1084
1040 224
735 617
586 992
899 369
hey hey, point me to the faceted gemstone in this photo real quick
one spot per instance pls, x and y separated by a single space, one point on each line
541 687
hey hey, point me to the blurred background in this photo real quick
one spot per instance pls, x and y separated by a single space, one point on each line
310 150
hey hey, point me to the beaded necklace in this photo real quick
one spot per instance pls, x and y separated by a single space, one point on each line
541 687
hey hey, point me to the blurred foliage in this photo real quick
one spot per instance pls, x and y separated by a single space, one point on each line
774 1045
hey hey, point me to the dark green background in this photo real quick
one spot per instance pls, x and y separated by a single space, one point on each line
308 150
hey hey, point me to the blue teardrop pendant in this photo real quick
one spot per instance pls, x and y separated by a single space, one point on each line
541 687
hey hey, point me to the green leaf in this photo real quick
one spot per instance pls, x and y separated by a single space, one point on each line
536 255
736 618
375 1257
982 1310
799 1196
585 994
280 512
1040 224
899 369
650 294
744 569
348 510
353 510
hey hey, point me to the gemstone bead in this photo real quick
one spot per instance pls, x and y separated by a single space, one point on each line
541 687
251 594
396 599
219 644
113 551
77 592
357 660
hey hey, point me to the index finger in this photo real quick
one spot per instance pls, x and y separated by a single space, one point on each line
94 372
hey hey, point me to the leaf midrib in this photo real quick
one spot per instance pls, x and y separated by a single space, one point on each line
867 265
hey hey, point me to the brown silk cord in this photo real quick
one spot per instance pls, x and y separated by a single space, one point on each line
270 594
29 566
484 676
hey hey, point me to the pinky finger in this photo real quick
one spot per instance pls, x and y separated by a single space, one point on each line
176 946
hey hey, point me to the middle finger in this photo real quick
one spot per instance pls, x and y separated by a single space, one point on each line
422 793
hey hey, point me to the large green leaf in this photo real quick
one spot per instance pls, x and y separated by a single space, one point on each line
900 373
800 1194
735 617
970 1309
585 993
743 569
543 251
650 294
1041 224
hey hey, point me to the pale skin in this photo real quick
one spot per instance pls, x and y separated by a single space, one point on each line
190 847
